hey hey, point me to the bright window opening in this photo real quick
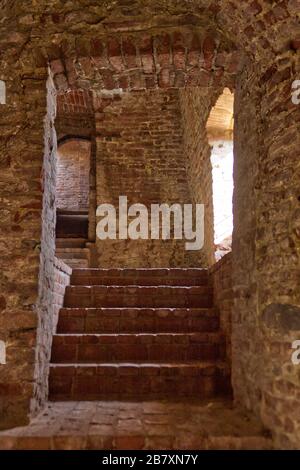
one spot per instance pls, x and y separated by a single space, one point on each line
220 134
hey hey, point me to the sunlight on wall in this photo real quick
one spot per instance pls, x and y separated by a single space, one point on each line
220 134
2 92
222 164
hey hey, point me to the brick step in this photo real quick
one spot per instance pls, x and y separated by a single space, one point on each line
138 296
73 253
135 320
138 381
141 277
76 263
71 242
72 224
137 347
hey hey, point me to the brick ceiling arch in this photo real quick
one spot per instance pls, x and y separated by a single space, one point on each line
150 43
171 58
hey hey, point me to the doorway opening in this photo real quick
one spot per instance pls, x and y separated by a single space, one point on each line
220 135
72 201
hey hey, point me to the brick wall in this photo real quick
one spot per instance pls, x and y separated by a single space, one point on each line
277 249
266 247
75 114
174 59
62 275
76 118
246 337
221 278
73 171
44 302
74 102
20 235
196 104
58 278
140 154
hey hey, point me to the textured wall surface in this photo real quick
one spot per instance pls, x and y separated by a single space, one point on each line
62 275
221 276
22 148
266 247
140 155
73 172
196 104
44 304
76 119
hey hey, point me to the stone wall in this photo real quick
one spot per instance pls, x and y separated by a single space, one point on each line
140 155
73 171
221 276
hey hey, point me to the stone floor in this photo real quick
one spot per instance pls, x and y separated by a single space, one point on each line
140 425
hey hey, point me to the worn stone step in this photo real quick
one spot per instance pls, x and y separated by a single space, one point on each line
71 242
138 296
172 347
135 320
142 277
138 381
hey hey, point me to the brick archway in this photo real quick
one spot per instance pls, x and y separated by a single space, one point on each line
172 59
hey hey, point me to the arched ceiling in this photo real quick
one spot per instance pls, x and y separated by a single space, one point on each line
36 32
228 16
220 122
262 27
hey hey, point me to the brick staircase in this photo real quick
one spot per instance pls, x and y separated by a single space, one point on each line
138 334
73 251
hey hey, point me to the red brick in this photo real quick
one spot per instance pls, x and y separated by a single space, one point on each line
146 52
130 52
194 51
162 46
115 54
179 51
